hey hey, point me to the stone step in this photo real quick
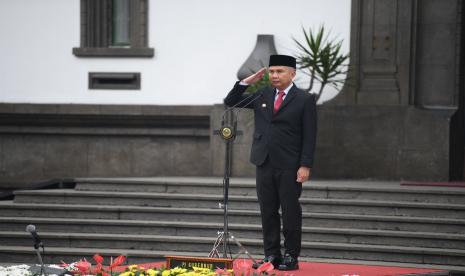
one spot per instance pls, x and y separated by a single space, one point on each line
353 220
386 208
203 244
385 191
143 227
356 189
204 229
317 205
124 241
331 220
183 185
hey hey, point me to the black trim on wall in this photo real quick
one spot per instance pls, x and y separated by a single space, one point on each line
79 119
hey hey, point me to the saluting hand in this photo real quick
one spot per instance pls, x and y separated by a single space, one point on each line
255 77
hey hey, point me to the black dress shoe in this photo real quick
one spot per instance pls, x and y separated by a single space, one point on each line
289 263
273 259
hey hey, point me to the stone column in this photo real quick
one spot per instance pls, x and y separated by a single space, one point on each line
381 56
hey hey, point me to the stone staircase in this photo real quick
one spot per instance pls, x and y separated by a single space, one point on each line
149 218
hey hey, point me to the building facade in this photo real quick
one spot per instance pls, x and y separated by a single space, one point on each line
129 88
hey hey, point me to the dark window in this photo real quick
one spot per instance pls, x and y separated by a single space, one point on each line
120 24
101 80
114 28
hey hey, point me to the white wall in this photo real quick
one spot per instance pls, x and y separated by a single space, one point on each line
199 46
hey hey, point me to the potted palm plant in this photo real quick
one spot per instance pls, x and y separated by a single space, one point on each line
321 59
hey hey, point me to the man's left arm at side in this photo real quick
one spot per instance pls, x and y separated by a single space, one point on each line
309 130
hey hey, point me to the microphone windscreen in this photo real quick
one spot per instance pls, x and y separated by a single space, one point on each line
30 228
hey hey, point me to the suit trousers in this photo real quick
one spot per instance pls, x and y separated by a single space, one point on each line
278 188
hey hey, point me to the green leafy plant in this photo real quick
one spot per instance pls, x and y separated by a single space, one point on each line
322 59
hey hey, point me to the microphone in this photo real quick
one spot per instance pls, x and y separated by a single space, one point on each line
228 132
37 242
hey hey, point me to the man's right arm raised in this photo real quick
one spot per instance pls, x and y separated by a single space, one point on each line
235 97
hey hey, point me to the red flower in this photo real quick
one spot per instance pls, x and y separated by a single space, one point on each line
242 264
98 258
242 267
83 266
220 271
98 270
265 267
118 261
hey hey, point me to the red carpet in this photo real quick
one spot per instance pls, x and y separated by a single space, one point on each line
325 269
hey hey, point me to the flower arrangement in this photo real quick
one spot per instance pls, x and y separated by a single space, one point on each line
135 270
85 268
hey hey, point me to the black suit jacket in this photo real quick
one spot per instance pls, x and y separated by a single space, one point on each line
288 137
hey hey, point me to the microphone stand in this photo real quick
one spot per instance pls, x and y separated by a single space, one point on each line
228 133
39 256
37 245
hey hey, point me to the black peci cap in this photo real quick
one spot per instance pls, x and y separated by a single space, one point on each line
282 60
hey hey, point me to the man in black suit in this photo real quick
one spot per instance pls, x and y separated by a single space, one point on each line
282 150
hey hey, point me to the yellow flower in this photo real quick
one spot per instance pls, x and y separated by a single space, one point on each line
152 272
133 268
179 270
201 269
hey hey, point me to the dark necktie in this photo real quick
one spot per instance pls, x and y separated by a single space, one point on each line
278 101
